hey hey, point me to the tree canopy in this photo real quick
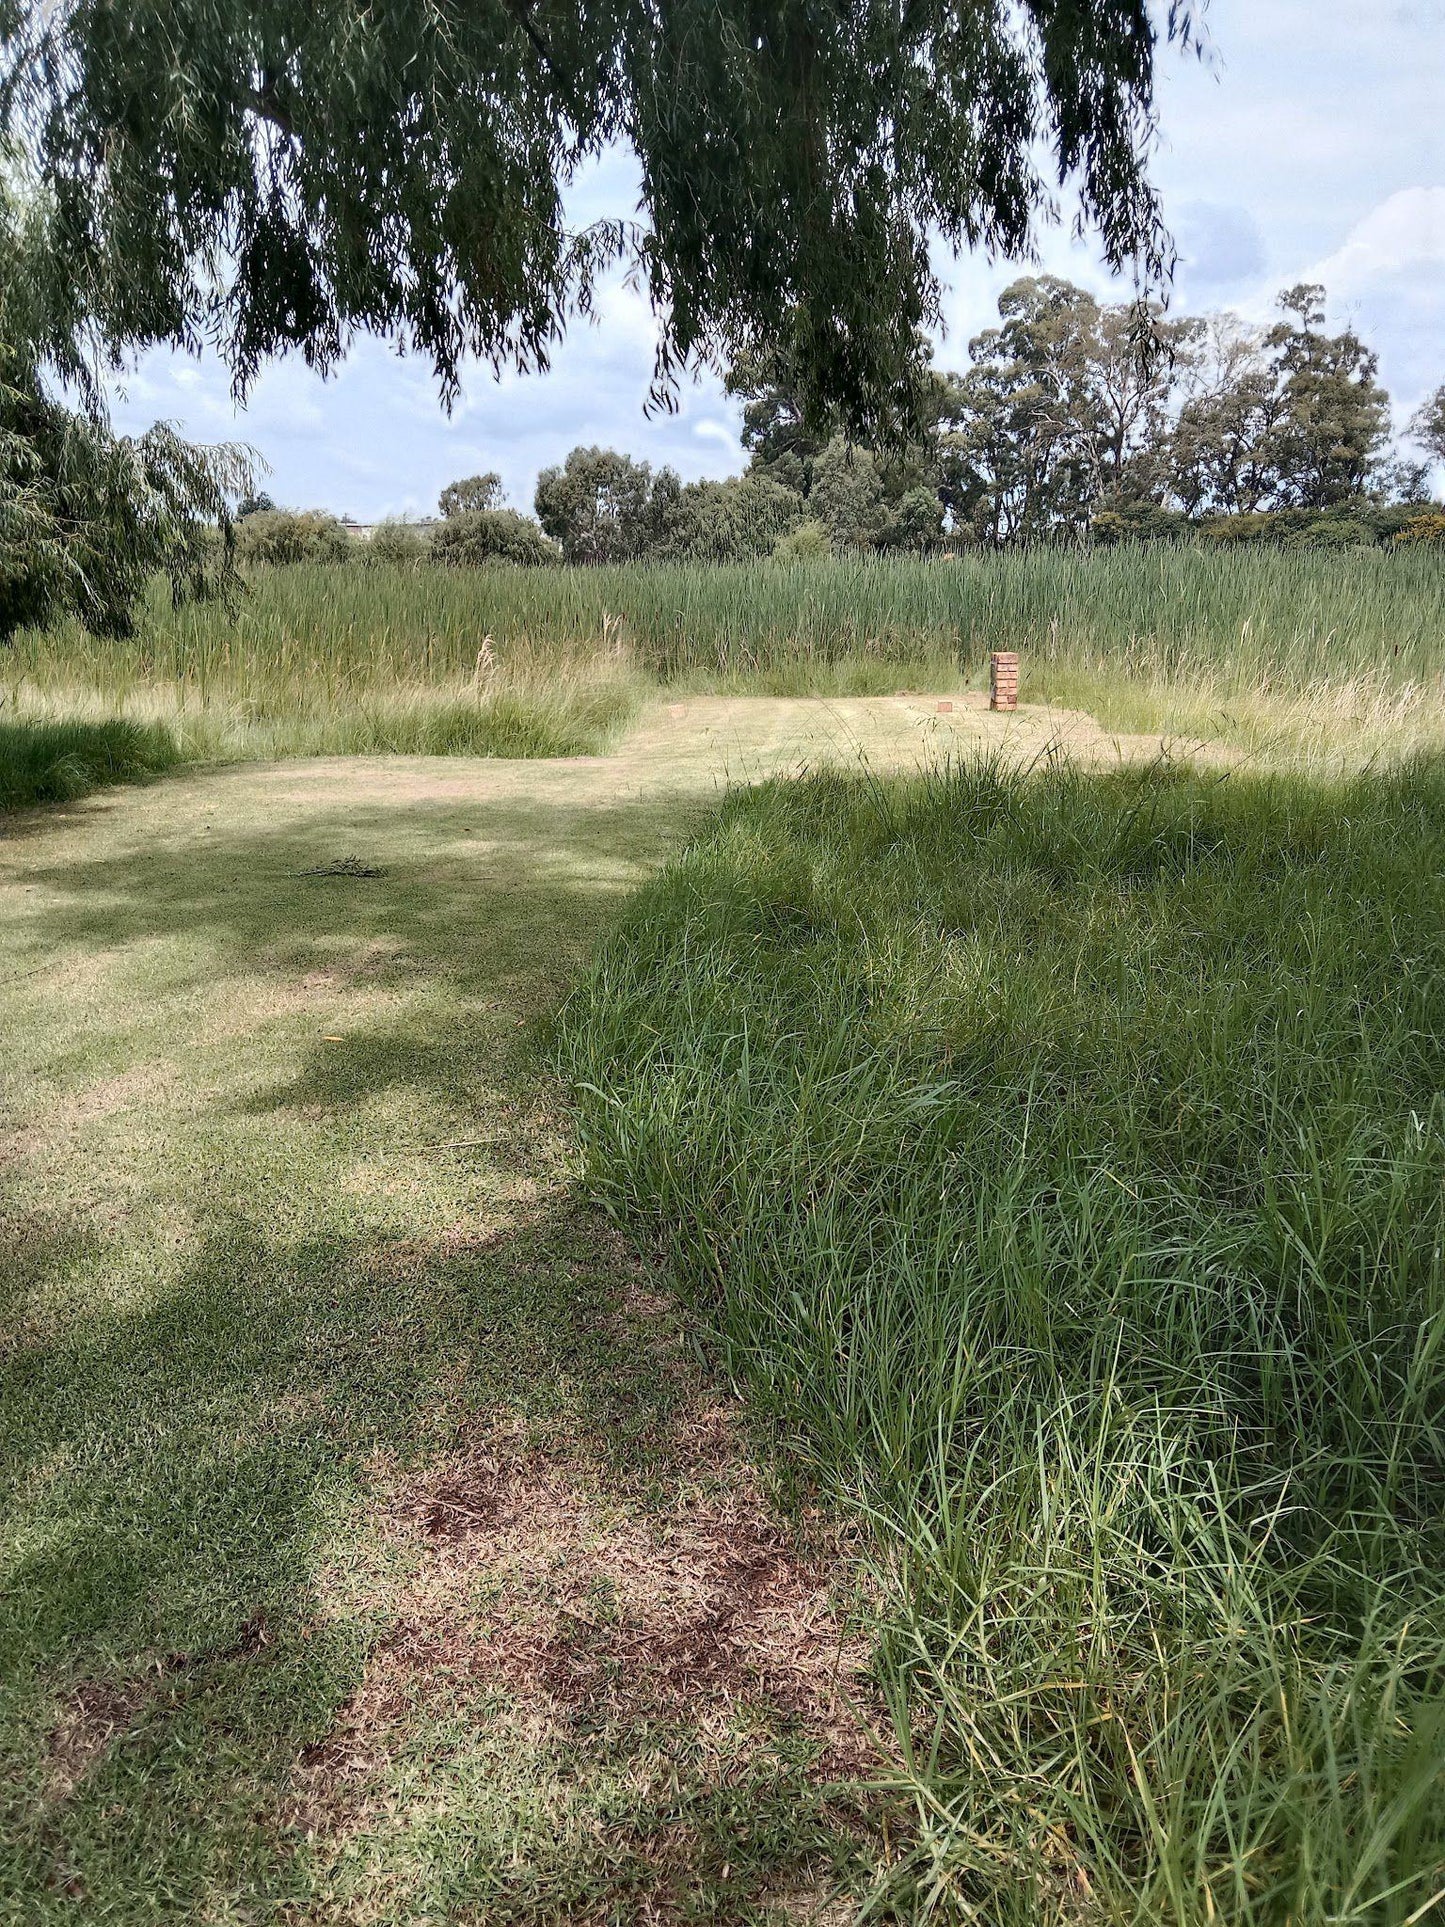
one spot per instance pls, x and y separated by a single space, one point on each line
471 495
270 177
1427 425
1074 419
87 516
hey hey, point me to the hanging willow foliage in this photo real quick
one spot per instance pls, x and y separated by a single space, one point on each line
87 517
270 176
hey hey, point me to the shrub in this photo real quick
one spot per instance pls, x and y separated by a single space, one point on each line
1361 525
847 495
472 538
806 543
283 536
1428 527
738 520
916 523
1137 522
1332 532
398 543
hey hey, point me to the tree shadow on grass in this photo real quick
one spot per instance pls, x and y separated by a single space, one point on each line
495 890
188 1476
197 1432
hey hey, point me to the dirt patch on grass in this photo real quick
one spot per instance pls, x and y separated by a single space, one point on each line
665 1666
93 1714
579 1592
97 1712
608 1617
536 1583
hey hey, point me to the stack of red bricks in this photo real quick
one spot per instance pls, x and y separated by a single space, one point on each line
1003 679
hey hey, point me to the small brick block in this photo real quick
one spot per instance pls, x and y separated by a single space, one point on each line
945 709
1003 679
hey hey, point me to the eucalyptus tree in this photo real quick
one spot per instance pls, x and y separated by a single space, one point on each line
1427 425
270 176
1335 427
471 495
1223 454
1021 451
1290 416
599 506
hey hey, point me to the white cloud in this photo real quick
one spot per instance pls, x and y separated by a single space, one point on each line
1405 233
1386 278
710 430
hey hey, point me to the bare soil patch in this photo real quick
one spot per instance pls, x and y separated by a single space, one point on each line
608 1616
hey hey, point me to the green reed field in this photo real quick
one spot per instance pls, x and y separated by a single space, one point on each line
1306 649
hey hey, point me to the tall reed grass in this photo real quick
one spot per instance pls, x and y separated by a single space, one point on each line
1060 1160
1255 647
1280 619
281 678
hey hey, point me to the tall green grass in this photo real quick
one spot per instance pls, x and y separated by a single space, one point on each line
250 705
59 762
1281 619
1258 648
1059 1159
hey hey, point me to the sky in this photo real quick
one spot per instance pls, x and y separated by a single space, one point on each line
1307 145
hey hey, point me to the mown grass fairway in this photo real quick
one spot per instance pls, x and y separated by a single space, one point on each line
374 1546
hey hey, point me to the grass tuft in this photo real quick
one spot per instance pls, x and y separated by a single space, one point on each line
1059 1159
57 762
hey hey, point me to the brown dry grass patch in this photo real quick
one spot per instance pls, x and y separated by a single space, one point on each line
542 1590
93 1715
609 1616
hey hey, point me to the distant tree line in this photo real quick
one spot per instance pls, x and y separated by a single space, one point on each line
1078 419
1075 421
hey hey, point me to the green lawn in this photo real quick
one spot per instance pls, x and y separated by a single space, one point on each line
368 1517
